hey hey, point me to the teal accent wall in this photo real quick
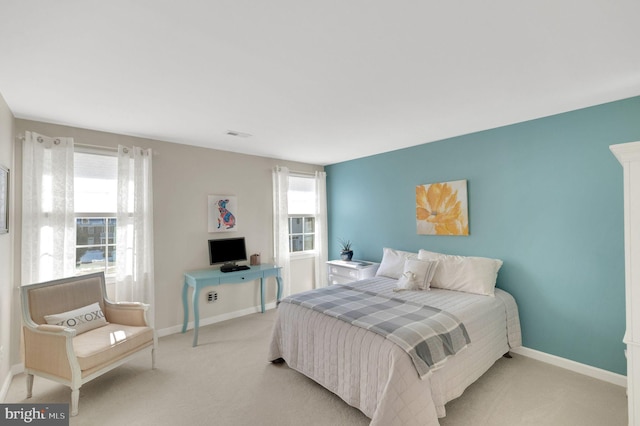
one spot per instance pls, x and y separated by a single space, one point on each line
545 196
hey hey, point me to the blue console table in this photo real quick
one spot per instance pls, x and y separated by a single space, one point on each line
202 278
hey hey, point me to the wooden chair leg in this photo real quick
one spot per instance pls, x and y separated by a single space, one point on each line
29 385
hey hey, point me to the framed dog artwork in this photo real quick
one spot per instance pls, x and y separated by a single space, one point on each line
223 211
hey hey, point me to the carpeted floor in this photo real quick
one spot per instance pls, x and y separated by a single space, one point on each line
227 380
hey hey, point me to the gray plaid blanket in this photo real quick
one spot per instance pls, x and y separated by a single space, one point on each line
429 335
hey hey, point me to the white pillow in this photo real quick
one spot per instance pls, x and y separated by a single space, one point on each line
423 270
428 255
392 264
469 274
81 319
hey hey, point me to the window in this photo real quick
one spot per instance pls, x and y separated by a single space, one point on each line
301 233
95 198
302 207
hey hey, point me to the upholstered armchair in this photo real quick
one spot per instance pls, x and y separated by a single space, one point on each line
73 333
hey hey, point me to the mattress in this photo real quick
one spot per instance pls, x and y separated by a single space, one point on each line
377 377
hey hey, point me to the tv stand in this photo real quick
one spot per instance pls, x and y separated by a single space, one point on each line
232 267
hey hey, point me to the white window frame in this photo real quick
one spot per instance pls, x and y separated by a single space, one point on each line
98 244
303 253
110 277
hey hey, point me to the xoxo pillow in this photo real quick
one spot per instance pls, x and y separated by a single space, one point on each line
81 319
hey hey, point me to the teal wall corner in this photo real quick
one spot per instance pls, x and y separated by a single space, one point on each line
545 196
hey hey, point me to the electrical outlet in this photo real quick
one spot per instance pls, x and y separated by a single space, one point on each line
212 296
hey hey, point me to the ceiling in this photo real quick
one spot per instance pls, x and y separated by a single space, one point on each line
313 81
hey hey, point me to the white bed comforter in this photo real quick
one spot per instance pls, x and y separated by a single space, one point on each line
376 376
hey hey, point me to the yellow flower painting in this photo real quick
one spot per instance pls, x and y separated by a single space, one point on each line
441 208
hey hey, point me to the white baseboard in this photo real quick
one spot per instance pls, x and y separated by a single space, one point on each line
15 369
19 368
215 319
5 386
587 370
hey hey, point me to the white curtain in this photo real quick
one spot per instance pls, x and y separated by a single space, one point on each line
134 234
48 228
321 229
281 225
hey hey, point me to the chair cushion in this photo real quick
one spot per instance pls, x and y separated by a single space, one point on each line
104 344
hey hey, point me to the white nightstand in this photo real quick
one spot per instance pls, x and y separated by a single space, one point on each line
344 272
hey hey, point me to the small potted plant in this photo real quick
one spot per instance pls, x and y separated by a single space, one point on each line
345 250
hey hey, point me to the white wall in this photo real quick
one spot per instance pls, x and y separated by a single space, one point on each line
183 176
6 276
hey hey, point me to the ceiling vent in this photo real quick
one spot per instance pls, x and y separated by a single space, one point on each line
238 134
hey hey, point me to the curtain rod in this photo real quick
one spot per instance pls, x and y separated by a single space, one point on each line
86 145
113 149
83 145
297 172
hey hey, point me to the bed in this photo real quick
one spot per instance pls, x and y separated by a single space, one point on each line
377 376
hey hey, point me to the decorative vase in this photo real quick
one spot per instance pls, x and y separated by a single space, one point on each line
346 255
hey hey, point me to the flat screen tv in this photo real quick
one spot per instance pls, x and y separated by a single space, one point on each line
227 251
